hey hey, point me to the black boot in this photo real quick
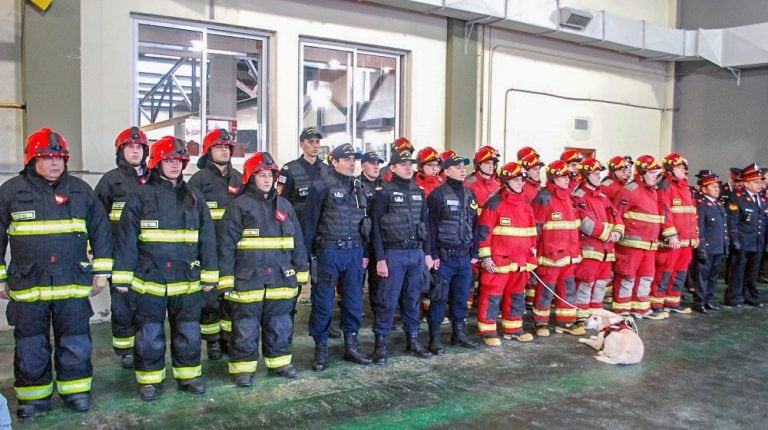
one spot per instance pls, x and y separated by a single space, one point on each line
80 402
214 349
435 343
380 350
459 336
413 345
352 351
321 356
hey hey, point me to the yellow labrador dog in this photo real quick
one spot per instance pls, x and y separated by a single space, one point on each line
617 341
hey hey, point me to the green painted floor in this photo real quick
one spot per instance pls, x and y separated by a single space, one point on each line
699 372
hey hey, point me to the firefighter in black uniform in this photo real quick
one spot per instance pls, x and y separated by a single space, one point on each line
113 189
453 238
49 218
166 254
401 248
263 260
747 220
713 240
220 183
337 226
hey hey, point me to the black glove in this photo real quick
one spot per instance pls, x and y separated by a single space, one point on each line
701 256
436 290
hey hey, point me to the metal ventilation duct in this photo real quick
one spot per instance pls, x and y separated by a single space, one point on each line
736 47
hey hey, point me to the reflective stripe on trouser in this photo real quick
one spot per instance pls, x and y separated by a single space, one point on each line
671 272
210 316
501 293
272 318
456 278
559 279
402 286
635 269
591 278
149 353
32 356
343 267
123 328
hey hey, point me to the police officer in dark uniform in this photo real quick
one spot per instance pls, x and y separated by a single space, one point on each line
336 228
371 180
296 176
713 240
113 189
402 252
220 183
262 257
49 218
166 255
453 239
747 220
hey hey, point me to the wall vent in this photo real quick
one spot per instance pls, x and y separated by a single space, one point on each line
581 124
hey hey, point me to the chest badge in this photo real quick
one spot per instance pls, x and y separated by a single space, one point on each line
23 215
251 232
557 216
505 221
149 223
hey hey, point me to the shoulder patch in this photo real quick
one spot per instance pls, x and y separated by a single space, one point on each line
733 206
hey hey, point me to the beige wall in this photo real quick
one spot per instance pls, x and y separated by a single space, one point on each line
517 64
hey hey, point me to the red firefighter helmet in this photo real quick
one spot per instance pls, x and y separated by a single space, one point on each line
45 143
402 144
557 169
427 155
167 148
525 151
220 136
589 165
511 170
572 156
645 163
258 162
673 160
530 161
618 162
131 135
486 153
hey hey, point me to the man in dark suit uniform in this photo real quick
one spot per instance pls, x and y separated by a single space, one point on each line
747 220
713 240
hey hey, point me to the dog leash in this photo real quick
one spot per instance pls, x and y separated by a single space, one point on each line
551 291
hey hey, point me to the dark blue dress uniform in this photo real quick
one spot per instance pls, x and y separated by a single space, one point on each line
262 261
219 191
453 238
400 237
49 228
334 216
166 253
747 220
712 249
112 191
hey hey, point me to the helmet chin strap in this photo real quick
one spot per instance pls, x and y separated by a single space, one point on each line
590 182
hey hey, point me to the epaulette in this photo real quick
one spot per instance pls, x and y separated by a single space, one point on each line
663 185
579 192
632 186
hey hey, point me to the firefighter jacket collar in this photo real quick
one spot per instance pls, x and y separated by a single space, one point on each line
561 193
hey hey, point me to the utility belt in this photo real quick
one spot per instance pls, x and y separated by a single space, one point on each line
339 244
456 252
404 244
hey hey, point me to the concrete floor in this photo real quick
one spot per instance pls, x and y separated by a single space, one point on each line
700 371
